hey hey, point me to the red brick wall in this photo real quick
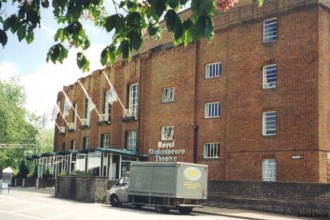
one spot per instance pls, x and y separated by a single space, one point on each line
300 99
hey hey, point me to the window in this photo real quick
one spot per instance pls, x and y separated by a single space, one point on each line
63 146
167 133
212 110
105 140
72 144
270 30
168 95
269 123
269 170
86 108
131 140
269 76
213 70
133 100
106 106
85 142
211 150
74 117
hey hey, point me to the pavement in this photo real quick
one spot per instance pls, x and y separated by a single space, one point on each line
211 209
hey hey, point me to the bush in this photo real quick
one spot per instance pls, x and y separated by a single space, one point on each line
30 175
62 174
23 170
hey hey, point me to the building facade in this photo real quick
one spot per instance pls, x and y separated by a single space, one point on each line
253 105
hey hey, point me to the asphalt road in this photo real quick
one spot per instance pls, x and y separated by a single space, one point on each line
31 203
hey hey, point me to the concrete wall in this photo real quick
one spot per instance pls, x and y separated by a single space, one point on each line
280 197
85 189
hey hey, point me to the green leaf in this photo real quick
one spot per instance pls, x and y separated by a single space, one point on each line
183 2
153 29
110 22
21 33
173 4
74 10
82 62
114 21
135 39
60 35
131 6
124 49
160 7
178 30
57 53
45 3
260 3
202 7
29 37
108 55
209 30
33 17
3 38
171 18
10 22
134 20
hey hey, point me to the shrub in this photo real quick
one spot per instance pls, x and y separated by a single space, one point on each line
62 174
30 175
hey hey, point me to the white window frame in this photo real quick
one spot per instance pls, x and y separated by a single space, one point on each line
86 143
270 30
106 106
168 95
72 144
211 150
131 140
167 133
133 102
269 73
269 120
212 110
105 138
269 170
213 70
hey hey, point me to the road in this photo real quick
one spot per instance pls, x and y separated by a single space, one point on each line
40 204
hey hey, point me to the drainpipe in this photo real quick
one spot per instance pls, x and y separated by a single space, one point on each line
195 143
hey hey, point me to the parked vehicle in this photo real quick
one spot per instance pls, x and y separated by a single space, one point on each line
163 185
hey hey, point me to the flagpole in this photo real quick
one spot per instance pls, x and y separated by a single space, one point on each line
117 94
72 108
83 88
57 126
64 119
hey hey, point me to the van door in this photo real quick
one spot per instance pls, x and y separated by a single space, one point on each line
122 190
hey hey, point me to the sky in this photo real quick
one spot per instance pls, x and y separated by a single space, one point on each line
42 81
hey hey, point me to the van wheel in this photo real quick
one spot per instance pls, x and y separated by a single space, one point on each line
185 210
138 206
162 209
114 201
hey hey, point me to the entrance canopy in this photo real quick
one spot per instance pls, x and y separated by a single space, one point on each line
105 162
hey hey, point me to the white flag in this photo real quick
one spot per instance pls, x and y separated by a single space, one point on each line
91 104
55 111
112 96
45 120
67 106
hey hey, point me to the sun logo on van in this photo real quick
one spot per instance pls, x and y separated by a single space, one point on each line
192 173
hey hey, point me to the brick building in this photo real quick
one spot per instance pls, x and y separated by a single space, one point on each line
253 105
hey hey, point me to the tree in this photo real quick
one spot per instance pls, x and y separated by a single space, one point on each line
128 24
45 140
14 125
